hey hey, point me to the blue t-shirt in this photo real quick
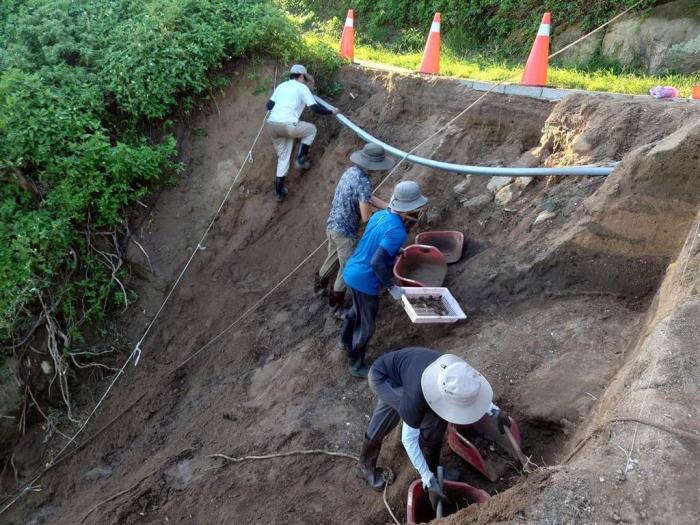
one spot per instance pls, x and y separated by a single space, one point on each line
384 229
353 188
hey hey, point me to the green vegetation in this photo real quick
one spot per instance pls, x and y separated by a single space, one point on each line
501 28
609 79
87 94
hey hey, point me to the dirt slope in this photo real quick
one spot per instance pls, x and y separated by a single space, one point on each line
563 319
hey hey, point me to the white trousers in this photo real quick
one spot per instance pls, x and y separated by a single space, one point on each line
283 135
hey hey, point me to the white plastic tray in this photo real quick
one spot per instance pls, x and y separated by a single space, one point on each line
420 315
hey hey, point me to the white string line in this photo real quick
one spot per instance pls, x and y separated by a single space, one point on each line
136 352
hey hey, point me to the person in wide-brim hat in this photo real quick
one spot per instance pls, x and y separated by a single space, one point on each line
370 269
284 127
427 390
353 204
372 157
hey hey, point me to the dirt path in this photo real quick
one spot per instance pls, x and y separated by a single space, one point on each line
556 312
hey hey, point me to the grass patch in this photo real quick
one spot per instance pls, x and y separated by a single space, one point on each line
613 80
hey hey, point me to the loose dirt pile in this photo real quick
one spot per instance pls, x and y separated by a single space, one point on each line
582 318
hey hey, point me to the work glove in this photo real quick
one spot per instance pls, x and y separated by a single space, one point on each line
396 292
436 494
502 420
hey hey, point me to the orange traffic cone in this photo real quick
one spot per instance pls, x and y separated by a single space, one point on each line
431 55
347 41
535 73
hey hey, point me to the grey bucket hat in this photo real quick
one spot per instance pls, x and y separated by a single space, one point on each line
407 197
372 158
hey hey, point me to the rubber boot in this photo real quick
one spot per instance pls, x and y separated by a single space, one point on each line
336 300
280 191
321 283
302 162
358 368
367 467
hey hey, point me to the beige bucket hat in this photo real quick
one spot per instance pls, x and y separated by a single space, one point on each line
455 391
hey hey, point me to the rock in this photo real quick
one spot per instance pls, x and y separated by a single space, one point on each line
496 183
477 203
506 194
47 368
581 145
462 187
433 215
544 216
664 40
549 204
581 53
523 182
99 472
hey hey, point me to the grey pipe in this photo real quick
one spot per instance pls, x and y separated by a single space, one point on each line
572 171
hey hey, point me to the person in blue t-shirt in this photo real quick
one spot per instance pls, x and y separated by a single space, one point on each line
370 268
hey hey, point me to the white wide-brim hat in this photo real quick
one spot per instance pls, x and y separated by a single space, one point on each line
455 391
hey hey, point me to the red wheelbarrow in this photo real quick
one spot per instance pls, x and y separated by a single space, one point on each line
462 440
420 265
450 243
419 510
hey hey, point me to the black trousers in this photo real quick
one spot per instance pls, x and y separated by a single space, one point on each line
386 413
359 324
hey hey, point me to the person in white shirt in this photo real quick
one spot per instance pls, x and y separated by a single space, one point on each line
284 127
426 389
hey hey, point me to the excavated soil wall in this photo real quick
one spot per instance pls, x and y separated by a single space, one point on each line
563 316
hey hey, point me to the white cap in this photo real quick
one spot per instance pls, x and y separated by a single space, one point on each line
298 69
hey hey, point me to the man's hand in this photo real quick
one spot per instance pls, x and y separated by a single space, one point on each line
336 111
396 292
502 420
435 493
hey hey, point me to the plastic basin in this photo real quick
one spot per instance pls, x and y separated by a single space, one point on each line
419 510
450 244
420 265
487 428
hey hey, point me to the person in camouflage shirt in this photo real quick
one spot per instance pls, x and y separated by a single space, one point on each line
353 203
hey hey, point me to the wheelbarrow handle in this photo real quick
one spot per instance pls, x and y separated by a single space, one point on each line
440 478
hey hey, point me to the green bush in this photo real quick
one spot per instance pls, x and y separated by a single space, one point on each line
79 79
